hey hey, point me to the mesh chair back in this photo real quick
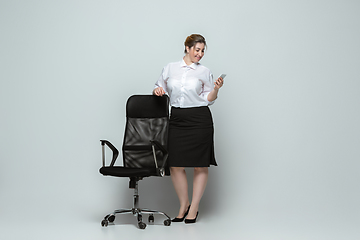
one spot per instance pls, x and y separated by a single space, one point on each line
147 119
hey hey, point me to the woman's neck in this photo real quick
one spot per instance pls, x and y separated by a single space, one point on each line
187 60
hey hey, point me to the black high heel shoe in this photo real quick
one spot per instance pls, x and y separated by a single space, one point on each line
181 219
187 221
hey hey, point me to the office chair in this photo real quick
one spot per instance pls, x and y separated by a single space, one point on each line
144 150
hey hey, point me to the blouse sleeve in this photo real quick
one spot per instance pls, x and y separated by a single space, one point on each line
208 86
162 81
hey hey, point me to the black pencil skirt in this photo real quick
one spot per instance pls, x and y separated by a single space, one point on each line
191 137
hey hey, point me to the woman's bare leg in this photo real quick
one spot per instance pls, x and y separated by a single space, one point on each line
178 177
199 184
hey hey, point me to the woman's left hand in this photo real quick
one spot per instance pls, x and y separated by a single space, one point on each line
219 83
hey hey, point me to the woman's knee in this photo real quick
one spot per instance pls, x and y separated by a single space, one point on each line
177 169
201 169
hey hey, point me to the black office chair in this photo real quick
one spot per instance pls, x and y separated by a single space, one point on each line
144 150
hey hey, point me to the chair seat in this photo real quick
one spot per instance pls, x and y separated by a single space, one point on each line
118 171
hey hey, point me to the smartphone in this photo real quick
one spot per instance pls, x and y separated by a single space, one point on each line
222 76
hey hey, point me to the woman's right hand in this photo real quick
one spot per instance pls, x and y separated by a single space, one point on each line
159 91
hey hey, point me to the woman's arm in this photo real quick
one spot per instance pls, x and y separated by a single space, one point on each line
160 85
213 94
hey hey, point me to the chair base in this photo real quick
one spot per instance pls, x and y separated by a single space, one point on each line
136 211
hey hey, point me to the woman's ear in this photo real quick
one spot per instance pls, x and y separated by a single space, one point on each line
187 49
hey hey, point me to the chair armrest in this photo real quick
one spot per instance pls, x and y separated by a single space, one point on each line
165 156
113 149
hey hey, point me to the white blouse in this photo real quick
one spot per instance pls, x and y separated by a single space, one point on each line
187 86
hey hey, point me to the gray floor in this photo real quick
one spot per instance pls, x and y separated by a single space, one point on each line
232 223
73 207
243 206
210 228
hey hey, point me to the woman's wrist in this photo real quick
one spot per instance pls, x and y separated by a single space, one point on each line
212 95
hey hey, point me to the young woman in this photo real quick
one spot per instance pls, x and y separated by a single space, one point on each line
191 89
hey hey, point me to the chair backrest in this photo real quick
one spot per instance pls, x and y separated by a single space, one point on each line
147 119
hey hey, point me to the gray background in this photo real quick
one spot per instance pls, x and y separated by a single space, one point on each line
287 129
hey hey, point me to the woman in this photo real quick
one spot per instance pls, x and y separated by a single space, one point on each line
191 89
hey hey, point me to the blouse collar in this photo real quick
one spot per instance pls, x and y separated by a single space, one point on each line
193 65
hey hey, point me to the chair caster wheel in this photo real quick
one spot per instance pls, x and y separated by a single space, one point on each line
167 222
104 223
111 218
142 225
151 218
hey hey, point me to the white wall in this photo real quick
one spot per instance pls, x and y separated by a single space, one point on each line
286 121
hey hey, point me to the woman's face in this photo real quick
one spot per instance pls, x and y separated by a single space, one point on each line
196 52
